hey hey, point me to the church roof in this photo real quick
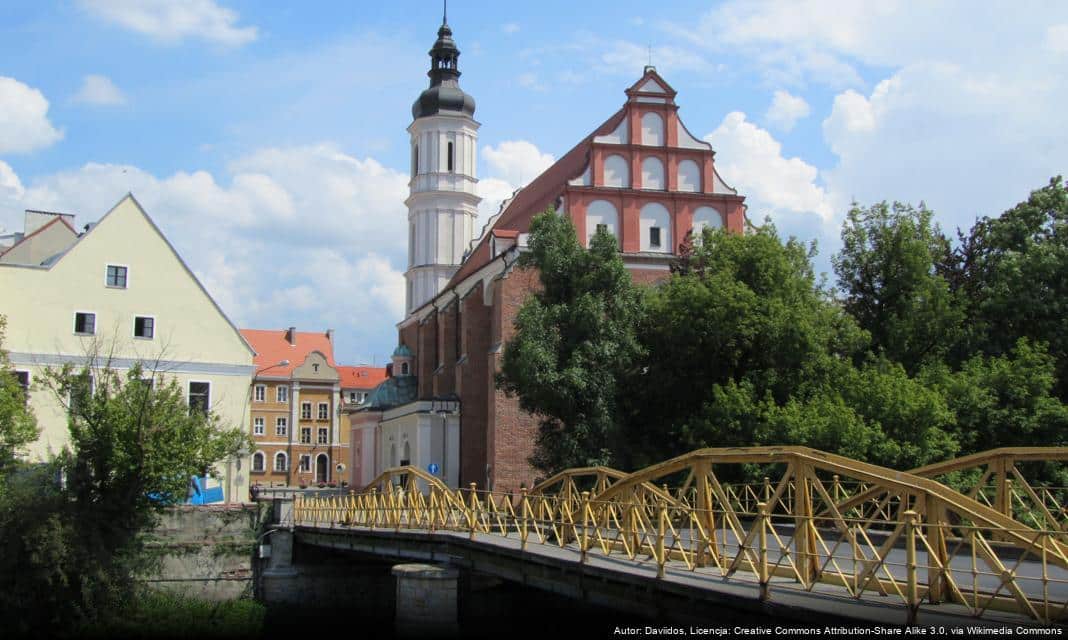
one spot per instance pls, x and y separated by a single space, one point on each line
394 392
402 351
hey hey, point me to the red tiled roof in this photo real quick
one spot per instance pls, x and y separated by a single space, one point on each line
272 347
361 377
535 197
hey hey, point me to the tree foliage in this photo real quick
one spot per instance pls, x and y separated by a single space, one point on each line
72 529
932 351
575 343
18 426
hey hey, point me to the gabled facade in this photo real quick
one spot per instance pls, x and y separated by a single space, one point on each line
295 404
121 290
642 177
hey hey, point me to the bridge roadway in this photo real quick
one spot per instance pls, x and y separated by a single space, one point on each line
700 596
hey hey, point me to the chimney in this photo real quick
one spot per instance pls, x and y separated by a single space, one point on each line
330 336
291 336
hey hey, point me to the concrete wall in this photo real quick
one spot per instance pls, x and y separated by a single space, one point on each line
207 552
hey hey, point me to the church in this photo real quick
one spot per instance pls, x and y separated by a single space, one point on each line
640 175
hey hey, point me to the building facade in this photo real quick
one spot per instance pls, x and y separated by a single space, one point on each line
641 176
119 290
298 399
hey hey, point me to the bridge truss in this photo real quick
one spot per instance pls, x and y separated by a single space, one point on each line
816 521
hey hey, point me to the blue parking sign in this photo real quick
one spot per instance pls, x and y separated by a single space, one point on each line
433 468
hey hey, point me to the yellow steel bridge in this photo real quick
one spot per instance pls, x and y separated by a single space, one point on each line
816 521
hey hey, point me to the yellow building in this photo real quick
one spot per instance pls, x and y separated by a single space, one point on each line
296 395
119 288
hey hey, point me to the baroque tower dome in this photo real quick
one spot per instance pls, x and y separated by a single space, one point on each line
444 93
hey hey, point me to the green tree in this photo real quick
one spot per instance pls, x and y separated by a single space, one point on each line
69 551
18 427
1013 270
575 344
888 272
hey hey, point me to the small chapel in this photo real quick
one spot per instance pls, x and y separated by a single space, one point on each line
640 175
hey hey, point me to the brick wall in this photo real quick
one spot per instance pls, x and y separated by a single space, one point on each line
472 374
426 355
444 380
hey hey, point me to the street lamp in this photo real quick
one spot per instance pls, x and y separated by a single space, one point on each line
280 363
445 406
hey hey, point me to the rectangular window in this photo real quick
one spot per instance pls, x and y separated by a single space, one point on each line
283 395
258 426
305 435
654 237
116 276
84 323
324 435
602 227
324 411
352 397
199 396
144 327
261 393
450 163
305 411
305 463
281 426
23 380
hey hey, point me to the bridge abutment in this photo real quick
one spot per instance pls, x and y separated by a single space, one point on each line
426 600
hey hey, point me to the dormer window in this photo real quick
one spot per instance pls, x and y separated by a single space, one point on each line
116 276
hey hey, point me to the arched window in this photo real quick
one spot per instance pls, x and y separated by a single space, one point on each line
258 461
689 176
449 159
415 160
280 461
601 214
655 224
616 172
652 129
705 217
407 459
404 368
411 243
393 455
652 173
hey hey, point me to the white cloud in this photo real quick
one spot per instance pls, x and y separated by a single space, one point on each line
629 58
172 21
24 124
99 90
510 28
516 161
530 81
257 237
786 110
751 160
1057 38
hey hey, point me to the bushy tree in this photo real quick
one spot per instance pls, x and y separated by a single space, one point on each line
888 273
72 529
18 427
1013 272
575 343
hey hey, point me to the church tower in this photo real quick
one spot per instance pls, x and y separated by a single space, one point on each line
443 194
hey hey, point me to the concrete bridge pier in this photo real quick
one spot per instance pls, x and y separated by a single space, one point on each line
426 600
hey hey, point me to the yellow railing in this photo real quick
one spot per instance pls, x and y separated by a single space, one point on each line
823 520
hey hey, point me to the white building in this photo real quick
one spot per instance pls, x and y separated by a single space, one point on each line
443 200
119 288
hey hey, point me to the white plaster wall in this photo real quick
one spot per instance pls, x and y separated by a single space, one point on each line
655 215
601 212
616 171
653 174
705 217
652 129
689 178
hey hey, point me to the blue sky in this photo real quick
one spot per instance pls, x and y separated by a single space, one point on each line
268 139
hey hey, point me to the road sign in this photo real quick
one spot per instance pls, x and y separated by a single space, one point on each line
433 468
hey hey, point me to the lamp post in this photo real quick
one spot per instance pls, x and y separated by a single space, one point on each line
445 406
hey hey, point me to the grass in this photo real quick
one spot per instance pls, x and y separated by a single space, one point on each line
161 614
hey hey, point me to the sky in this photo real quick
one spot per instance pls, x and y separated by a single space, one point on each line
268 140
